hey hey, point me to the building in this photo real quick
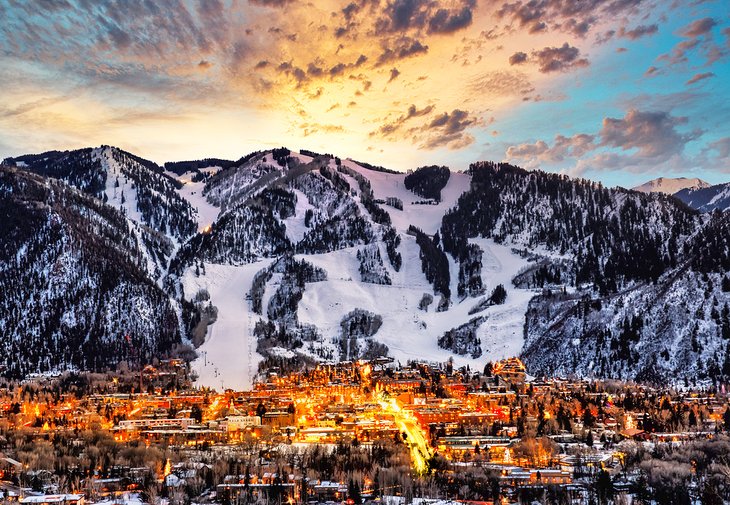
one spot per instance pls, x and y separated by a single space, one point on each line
138 424
54 499
237 423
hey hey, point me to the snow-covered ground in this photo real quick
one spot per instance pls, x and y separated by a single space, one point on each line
295 229
122 195
502 333
426 217
119 190
409 332
205 212
671 185
227 358
124 499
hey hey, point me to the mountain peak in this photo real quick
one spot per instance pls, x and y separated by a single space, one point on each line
671 185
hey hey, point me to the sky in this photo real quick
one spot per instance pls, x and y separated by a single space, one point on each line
619 91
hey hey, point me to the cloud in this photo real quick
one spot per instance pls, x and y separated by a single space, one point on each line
448 129
445 21
502 83
296 73
574 17
308 128
720 147
392 127
401 16
563 147
653 134
350 10
700 77
638 32
271 3
697 36
698 28
24 108
518 58
403 48
559 59
337 69
639 138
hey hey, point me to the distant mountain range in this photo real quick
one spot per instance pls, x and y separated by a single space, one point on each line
695 192
281 259
715 197
670 186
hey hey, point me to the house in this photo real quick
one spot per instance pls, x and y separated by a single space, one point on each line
54 499
634 434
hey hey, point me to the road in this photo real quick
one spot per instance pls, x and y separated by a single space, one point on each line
415 438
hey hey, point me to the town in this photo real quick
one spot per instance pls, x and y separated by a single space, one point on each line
359 432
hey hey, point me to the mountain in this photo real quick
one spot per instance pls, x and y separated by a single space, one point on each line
137 187
707 199
77 290
281 259
671 185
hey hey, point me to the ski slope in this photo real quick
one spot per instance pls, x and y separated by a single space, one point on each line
426 217
205 212
410 333
119 189
227 358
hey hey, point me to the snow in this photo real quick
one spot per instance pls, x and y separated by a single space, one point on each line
295 229
502 333
205 212
426 217
410 333
303 158
124 499
720 197
125 190
671 185
227 358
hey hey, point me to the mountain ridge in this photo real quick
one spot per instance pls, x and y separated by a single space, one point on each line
408 267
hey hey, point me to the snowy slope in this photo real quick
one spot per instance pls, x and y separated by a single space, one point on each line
295 227
410 333
120 190
425 217
205 212
715 197
227 358
671 185
315 249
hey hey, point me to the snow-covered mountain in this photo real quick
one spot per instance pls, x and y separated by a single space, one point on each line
76 283
286 258
671 185
137 187
707 199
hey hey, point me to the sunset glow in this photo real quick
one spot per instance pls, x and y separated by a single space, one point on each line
613 90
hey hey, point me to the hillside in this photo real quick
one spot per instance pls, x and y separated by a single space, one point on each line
286 258
708 199
75 281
